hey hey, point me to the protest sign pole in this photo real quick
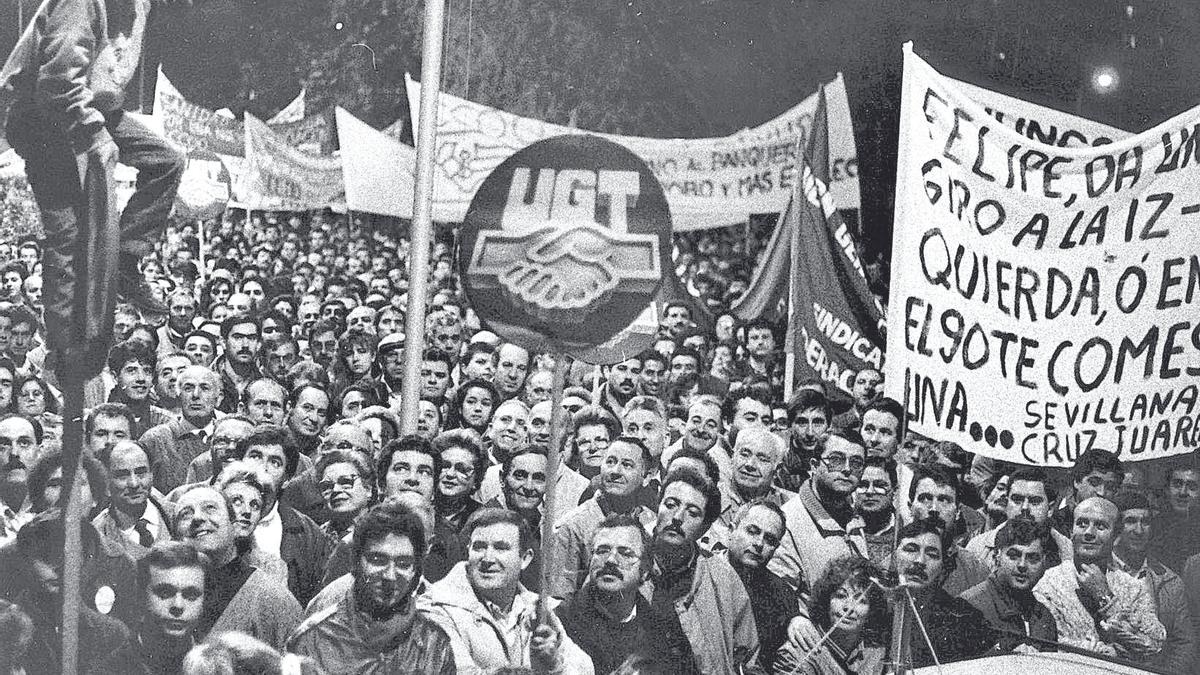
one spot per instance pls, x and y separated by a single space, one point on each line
553 462
422 222
72 516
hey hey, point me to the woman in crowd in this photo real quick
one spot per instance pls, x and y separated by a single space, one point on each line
355 354
463 466
347 482
215 292
34 398
851 614
245 487
473 406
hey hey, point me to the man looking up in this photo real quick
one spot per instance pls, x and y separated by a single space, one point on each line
373 627
1096 606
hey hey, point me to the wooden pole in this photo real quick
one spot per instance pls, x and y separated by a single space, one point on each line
422 222
72 516
558 422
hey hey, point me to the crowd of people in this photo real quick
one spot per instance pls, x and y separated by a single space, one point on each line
255 507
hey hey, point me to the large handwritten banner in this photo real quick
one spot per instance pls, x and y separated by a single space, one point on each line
279 176
1045 291
709 182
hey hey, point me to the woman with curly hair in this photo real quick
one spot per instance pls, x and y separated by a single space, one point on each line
851 614
463 466
352 364
216 291
473 405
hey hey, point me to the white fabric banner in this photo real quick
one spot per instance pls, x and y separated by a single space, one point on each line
709 182
279 176
1045 278
377 169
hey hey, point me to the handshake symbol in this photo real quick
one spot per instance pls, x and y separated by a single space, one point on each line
564 272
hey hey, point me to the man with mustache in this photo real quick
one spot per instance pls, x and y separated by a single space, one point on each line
373 626
239 597
135 519
654 369
1170 594
757 530
620 384
757 455
241 338
1097 606
821 523
713 630
492 619
176 443
622 473
608 618
955 628
20 445
132 363
1006 597
809 415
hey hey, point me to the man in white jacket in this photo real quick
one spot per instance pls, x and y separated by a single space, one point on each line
492 620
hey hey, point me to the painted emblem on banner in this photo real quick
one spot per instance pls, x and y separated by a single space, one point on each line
566 242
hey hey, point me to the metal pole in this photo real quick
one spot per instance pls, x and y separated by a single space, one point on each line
422 222
558 420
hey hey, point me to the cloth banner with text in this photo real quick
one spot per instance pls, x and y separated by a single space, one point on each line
709 182
1045 290
281 177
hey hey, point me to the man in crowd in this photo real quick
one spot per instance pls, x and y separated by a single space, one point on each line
714 630
645 418
1096 606
702 432
171 579
201 347
181 318
512 366
227 433
491 619
1029 495
809 416
760 351
1177 528
20 445
479 363
277 356
874 502
880 427
264 401
955 629
135 519
1130 554
308 413
538 387
934 494
1006 597
864 390
654 369
107 424
622 474
757 530
620 385
177 442
435 375
757 454
373 627
238 597
238 364
132 363
1097 473
821 523
166 382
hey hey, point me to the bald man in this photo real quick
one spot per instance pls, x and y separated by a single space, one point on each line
178 442
1096 606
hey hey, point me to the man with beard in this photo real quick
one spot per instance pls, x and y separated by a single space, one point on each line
821 523
33 567
239 597
181 319
1170 596
622 474
654 370
757 531
20 445
492 620
955 629
1096 606
374 626
1006 597
166 381
135 519
809 414
238 365
702 432
264 401
713 630
756 457
864 390
608 618
874 503
132 364
308 414
512 366
177 442
171 578
620 384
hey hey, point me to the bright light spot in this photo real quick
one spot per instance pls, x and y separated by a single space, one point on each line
1105 79
339 25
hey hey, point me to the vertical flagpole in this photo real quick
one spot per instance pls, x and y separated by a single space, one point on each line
422 222
789 357
553 463
72 516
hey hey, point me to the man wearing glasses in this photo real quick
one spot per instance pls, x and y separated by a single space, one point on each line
821 523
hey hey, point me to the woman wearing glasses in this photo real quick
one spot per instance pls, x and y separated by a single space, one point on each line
347 483
463 465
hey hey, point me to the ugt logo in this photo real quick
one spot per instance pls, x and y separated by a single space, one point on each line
553 257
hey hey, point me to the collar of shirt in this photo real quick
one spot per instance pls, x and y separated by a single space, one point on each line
820 516
268 535
126 522
1140 573
203 433
512 618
